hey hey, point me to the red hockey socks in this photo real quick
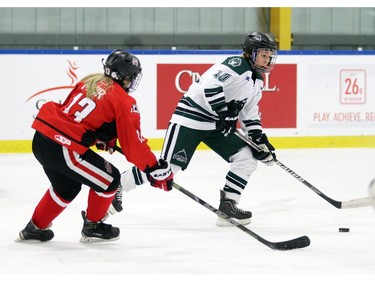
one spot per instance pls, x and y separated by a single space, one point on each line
98 204
48 208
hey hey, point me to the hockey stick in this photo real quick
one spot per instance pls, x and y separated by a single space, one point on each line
300 242
355 203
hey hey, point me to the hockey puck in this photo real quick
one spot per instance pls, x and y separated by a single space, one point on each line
343 229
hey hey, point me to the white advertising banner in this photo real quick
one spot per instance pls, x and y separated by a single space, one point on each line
337 95
305 95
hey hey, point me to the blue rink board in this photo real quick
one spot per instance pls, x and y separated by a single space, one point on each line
176 52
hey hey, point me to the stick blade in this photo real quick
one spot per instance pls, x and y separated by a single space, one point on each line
297 243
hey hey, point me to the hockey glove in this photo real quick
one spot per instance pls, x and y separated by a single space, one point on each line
227 122
106 145
160 175
267 153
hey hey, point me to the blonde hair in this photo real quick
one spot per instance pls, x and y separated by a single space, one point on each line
97 85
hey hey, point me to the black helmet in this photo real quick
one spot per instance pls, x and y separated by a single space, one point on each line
120 65
260 41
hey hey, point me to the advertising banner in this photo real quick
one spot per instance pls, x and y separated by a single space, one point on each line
305 95
279 93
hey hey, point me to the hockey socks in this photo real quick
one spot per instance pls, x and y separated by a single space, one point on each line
98 204
48 208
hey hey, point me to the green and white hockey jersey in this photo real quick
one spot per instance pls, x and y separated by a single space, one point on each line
229 85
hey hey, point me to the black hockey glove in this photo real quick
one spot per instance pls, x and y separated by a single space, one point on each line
106 145
267 153
160 175
227 122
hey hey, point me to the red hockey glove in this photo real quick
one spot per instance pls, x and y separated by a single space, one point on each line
106 145
160 175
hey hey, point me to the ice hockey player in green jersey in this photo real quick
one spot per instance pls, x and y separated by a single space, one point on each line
226 95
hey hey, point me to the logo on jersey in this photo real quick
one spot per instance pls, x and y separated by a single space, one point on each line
134 108
108 167
62 140
180 156
235 62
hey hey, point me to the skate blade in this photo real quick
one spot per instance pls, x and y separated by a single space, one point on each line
28 241
222 222
85 239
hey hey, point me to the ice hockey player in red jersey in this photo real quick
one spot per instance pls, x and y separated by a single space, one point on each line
98 111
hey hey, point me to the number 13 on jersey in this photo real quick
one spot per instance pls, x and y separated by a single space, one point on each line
81 106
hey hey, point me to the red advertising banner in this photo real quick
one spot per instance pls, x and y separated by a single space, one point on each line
277 107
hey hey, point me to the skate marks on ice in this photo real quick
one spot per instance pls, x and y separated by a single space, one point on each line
169 234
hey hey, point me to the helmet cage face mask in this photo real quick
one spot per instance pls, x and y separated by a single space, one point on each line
270 65
134 82
253 44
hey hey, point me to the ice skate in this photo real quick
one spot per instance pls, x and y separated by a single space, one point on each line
229 208
116 205
98 231
32 232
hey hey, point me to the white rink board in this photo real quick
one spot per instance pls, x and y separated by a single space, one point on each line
335 93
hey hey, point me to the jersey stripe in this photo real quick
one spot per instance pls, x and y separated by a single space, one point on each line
215 98
57 199
187 109
87 170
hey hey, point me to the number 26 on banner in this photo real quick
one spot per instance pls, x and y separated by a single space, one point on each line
353 86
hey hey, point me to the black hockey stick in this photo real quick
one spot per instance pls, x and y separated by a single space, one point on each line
300 242
355 203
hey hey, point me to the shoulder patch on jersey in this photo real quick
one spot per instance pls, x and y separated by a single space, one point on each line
134 108
235 62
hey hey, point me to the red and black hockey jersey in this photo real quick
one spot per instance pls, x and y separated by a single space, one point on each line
80 121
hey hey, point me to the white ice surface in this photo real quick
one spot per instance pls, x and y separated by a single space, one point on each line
167 235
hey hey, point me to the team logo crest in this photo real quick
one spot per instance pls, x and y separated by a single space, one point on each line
134 109
180 156
235 62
